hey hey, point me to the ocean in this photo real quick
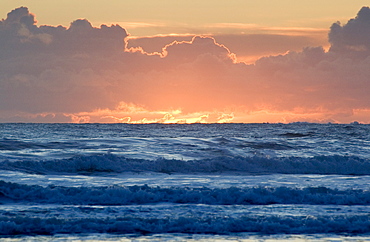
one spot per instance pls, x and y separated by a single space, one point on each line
185 182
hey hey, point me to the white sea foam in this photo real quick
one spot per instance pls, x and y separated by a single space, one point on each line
126 195
197 179
148 220
166 237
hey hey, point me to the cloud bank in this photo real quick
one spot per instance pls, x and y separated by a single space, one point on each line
83 73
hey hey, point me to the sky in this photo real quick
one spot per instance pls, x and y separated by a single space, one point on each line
168 61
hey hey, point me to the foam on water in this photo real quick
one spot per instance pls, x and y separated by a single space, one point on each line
240 237
125 195
340 182
192 219
173 182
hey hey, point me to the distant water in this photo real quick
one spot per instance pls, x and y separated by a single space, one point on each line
189 182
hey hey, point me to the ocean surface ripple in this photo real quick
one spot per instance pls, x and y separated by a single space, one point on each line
155 179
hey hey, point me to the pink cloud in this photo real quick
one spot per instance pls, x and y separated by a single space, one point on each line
81 73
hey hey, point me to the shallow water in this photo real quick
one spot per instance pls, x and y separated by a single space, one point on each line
246 237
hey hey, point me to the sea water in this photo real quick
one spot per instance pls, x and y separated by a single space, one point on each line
185 182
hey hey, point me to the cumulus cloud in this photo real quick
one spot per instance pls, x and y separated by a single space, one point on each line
20 35
355 35
336 80
51 68
83 73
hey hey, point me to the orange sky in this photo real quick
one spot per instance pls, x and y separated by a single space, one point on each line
217 62
145 17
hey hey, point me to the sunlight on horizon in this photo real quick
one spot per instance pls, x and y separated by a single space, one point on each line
219 71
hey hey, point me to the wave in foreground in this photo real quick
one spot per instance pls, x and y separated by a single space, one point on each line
19 225
339 165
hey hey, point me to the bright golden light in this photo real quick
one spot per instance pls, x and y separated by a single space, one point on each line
136 114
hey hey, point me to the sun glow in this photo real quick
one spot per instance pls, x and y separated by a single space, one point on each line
135 114
129 113
77 73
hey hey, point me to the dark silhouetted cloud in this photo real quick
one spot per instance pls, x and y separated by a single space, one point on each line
353 36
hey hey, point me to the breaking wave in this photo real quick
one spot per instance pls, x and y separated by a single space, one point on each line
341 165
145 209
213 225
128 195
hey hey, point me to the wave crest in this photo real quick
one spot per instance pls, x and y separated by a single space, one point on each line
340 165
210 225
128 195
